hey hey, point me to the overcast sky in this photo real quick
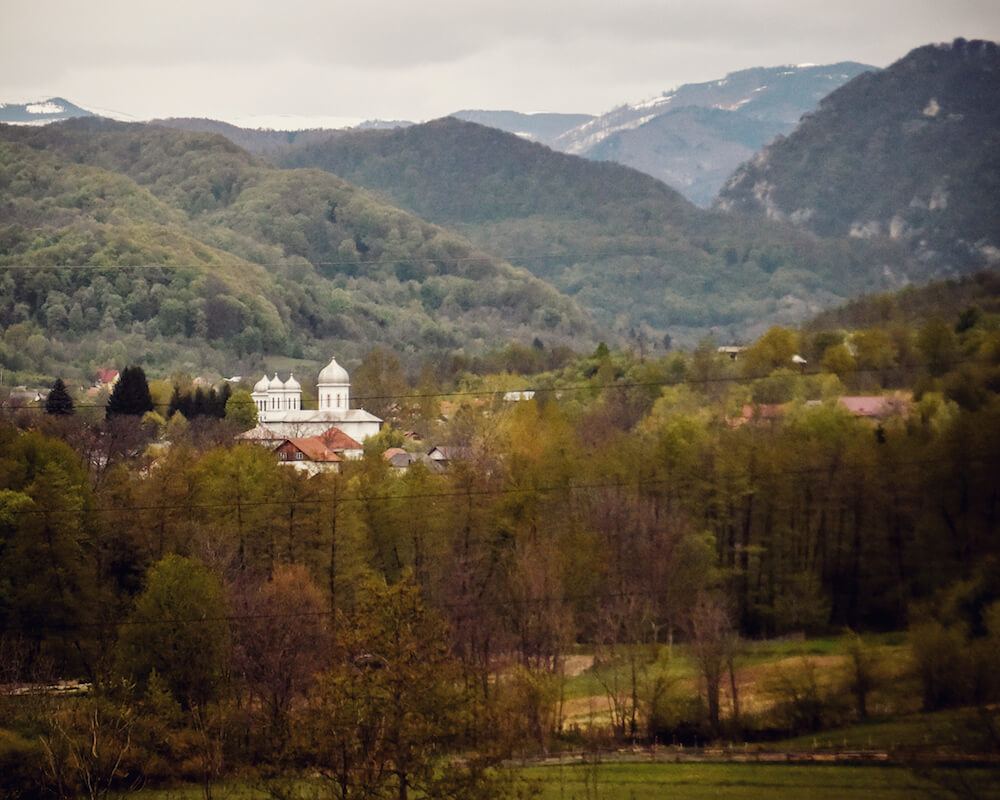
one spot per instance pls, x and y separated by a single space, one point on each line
420 59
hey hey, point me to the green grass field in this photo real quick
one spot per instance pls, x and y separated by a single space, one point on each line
632 781
746 781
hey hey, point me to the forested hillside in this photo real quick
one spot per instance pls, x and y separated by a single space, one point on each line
964 300
625 245
198 255
909 154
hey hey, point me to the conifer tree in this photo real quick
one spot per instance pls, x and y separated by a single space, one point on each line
131 396
59 402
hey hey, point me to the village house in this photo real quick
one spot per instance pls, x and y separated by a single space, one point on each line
876 408
443 457
399 459
315 454
309 455
279 406
21 397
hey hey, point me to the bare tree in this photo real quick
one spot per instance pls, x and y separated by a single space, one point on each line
713 645
86 746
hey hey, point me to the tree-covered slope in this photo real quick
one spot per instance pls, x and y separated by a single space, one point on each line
186 245
627 246
972 296
911 153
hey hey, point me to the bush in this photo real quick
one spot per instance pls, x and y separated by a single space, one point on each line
802 704
22 768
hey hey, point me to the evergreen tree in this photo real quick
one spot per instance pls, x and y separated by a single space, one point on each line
131 396
176 402
59 402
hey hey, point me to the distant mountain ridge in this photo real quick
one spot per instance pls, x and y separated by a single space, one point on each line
909 154
540 127
41 112
694 136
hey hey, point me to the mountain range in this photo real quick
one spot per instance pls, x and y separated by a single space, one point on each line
213 242
41 112
910 154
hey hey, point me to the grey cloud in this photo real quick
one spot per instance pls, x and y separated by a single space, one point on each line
407 58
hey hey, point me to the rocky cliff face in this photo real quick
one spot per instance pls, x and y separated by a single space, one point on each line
911 153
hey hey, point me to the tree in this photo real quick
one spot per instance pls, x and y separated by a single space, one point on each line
379 721
131 396
862 677
379 379
713 645
59 402
280 641
86 748
241 410
178 630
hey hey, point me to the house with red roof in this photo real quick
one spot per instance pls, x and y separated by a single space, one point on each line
877 407
308 454
315 454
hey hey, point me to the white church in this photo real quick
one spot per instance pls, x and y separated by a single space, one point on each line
279 406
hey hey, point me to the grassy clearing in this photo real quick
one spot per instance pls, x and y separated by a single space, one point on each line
961 729
758 667
630 781
744 781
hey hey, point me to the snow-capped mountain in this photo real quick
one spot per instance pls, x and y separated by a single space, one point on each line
694 136
41 112
543 127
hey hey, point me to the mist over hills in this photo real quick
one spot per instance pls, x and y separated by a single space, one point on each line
236 258
910 154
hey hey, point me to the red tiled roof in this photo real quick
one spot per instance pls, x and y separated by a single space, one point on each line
107 375
873 405
764 411
312 448
393 451
337 440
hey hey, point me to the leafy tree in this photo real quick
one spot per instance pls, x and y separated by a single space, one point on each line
177 630
59 402
241 410
380 719
130 396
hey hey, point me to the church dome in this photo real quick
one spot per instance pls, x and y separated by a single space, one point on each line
261 385
276 382
292 384
333 373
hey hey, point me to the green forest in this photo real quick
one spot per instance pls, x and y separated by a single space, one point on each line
678 549
627 247
181 251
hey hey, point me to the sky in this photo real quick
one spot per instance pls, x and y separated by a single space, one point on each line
299 62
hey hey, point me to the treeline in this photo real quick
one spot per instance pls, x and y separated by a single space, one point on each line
244 613
199 402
